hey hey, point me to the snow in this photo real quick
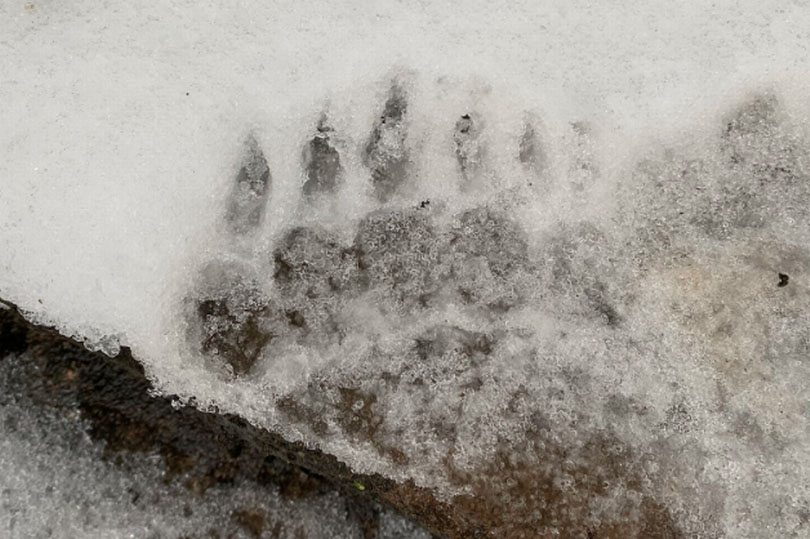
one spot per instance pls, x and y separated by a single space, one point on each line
585 204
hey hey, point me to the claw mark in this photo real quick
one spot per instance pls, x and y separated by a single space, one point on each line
758 115
468 146
246 205
748 129
753 140
583 169
321 161
531 152
385 154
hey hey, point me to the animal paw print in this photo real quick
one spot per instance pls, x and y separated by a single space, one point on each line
404 259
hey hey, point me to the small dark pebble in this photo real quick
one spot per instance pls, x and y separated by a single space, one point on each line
783 280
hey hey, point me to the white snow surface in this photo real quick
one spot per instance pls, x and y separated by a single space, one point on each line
124 124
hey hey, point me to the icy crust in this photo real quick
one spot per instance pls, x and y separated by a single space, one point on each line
659 340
